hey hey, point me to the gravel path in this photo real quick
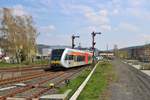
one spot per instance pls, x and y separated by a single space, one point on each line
131 84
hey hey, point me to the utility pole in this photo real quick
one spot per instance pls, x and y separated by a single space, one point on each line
73 37
107 51
93 43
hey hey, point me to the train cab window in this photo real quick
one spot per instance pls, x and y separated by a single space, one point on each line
56 54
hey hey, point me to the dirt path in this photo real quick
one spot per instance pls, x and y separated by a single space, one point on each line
129 84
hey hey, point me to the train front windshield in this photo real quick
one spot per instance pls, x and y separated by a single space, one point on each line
56 54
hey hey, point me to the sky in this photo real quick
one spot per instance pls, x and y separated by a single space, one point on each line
122 22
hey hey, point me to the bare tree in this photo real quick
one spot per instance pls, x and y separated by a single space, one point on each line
20 34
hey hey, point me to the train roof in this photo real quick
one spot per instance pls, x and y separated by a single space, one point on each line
77 50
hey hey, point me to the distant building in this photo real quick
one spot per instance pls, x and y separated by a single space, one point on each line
2 54
106 54
46 52
43 51
141 53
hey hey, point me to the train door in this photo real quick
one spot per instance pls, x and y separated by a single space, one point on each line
69 60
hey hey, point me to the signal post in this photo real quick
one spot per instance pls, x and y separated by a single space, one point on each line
93 44
73 37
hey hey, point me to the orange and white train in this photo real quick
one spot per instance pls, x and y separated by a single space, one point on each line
68 58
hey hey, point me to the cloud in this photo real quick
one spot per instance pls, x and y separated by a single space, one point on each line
96 18
55 40
137 3
47 29
139 13
127 27
19 10
138 9
102 28
99 17
105 28
145 37
92 28
45 3
115 11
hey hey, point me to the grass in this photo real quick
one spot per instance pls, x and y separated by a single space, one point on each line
75 83
95 86
40 62
97 83
2 64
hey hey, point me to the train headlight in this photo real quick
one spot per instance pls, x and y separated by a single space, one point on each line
55 62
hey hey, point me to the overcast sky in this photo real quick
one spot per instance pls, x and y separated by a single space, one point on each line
122 22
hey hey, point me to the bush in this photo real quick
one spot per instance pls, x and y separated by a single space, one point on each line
26 62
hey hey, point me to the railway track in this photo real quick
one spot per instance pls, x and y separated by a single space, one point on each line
16 69
8 73
62 75
23 78
28 87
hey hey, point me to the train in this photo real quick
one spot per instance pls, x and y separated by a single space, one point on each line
68 58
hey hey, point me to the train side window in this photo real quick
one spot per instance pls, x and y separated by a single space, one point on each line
69 57
83 58
75 58
80 58
66 58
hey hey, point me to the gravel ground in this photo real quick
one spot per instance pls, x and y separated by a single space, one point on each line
129 85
